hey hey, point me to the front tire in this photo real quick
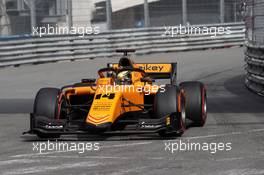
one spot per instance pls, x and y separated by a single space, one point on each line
196 102
167 103
46 104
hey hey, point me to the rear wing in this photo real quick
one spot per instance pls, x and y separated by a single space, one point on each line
156 70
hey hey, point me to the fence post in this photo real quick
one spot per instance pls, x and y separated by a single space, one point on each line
109 14
235 11
69 13
33 19
19 5
222 11
146 14
184 12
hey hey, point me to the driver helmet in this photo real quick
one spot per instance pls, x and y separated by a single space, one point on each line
124 77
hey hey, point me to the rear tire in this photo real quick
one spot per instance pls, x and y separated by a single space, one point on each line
196 102
46 104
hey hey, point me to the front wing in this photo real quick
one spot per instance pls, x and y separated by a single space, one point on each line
137 126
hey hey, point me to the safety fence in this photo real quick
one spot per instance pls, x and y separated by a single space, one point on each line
254 52
254 57
52 48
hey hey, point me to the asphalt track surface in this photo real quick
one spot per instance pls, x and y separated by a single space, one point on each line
235 116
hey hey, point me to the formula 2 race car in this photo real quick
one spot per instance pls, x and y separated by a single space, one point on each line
124 99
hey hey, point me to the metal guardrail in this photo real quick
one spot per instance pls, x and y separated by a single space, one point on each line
34 50
254 57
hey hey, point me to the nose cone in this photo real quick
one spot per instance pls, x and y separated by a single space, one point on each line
98 128
96 120
106 108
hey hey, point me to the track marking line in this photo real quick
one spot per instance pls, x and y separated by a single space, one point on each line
126 145
130 171
83 157
242 172
55 152
156 158
256 130
207 136
38 154
229 159
220 135
14 161
144 143
41 169
213 135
